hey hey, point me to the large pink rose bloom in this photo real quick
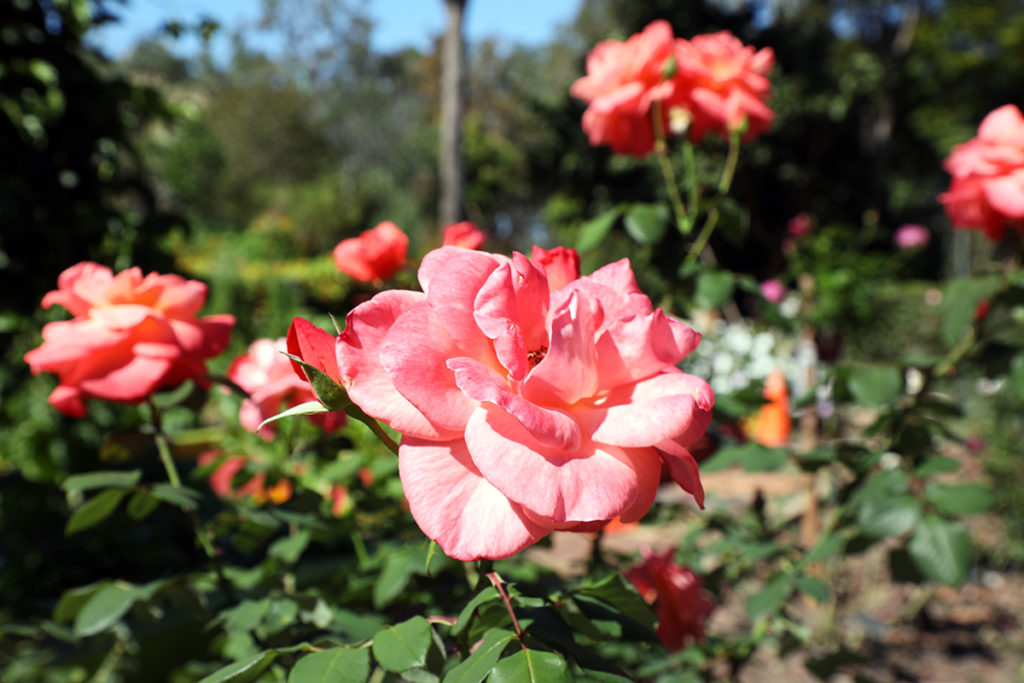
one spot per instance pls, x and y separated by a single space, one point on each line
523 408
130 335
987 190
266 374
623 80
722 83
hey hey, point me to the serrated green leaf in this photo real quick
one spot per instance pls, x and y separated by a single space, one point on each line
141 505
875 385
530 666
770 599
886 517
960 499
104 608
403 646
476 667
646 223
111 479
307 408
94 510
242 671
714 289
466 615
593 232
941 550
341 664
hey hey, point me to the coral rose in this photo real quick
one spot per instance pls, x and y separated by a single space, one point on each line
623 80
678 596
524 408
130 335
375 255
464 234
987 190
266 374
723 84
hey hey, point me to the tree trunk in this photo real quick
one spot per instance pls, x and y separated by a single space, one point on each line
452 105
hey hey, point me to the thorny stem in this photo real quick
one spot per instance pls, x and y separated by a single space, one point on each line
497 583
683 221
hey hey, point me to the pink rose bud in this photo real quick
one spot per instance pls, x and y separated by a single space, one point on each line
678 595
375 255
799 225
773 290
465 235
912 236
560 265
130 336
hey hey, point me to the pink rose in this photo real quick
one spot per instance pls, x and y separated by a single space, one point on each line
561 265
799 225
773 290
464 234
987 189
222 480
375 255
912 236
130 335
723 84
524 410
678 596
623 80
267 375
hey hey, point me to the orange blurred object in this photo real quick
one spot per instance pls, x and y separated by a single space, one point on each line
771 425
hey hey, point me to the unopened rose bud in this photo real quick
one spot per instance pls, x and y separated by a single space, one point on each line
679 120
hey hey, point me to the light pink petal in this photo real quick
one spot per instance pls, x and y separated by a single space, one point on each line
683 468
665 406
568 371
455 506
1006 193
452 295
68 341
595 482
124 316
180 298
641 346
550 426
1004 125
359 365
415 352
439 259
132 382
68 400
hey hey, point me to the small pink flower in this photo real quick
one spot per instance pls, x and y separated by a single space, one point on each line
561 265
723 84
464 234
130 336
912 236
375 255
799 225
678 596
525 408
773 290
267 375
987 187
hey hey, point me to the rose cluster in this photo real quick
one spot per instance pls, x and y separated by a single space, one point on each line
712 83
529 399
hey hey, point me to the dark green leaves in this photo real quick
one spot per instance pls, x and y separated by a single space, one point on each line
94 510
476 667
114 479
883 517
340 664
530 666
959 500
714 289
646 223
403 646
875 385
941 550
593 232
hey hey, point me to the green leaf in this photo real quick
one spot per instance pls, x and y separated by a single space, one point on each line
403 646
181 496
886 517
941 550
331 394
488 594
246 615
242 671
769 599
394 577
827 547
73 599
959 499
875 385
813 586
714 289
615 590
937 465
752 456
290 548
141 505
307 408
476 667
646 223
530 666
104 608
1015 378
960 303
111 479
341 664
593 232
94 510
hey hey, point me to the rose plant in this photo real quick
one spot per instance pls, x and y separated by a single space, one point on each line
373 256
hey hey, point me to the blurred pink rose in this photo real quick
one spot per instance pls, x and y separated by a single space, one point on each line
375 255
987 189
524 410
799 225
912 236
130 335
678 596
222 480
561 265
464 234
267 375
623 80
773 290
723 84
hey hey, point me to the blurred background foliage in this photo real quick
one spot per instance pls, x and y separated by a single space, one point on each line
246 173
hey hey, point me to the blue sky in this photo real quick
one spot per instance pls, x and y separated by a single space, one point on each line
398 23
